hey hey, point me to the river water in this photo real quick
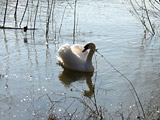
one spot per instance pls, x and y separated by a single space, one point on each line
33 86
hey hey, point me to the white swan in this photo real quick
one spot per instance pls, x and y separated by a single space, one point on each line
76 57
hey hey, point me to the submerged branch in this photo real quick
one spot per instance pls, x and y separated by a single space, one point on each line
2 27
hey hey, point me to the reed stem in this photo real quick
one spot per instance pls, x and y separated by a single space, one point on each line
15 13
35 17
74 25
23 13
62 19
4 21
49 11
148 18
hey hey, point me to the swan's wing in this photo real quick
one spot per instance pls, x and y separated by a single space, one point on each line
77 50
70 59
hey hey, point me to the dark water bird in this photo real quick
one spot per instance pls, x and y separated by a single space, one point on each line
25 28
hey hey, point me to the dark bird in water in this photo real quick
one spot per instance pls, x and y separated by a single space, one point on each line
25 29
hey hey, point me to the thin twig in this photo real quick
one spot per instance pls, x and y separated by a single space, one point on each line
4 21
1 27
23 13
141 18
62 19
74 25
153 32
15 13
48 18
35 16
127 80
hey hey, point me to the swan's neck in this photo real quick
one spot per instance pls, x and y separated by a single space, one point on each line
89 57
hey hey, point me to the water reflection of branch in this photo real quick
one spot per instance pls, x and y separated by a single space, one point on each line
91 109
68 76
32 93
7 58
7 97
48 63
146 41
5 40
35 49
8 100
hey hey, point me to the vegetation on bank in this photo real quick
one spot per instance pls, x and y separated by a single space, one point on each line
148 13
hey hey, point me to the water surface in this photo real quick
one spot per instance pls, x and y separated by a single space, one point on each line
31 82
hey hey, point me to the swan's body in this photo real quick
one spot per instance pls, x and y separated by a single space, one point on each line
76 57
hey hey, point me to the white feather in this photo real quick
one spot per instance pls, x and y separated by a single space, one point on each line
73 58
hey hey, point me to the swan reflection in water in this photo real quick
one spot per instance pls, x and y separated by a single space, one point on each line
68 76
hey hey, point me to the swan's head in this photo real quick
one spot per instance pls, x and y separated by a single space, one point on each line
89 46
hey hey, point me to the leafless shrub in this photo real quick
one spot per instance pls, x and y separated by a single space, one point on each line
148 12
